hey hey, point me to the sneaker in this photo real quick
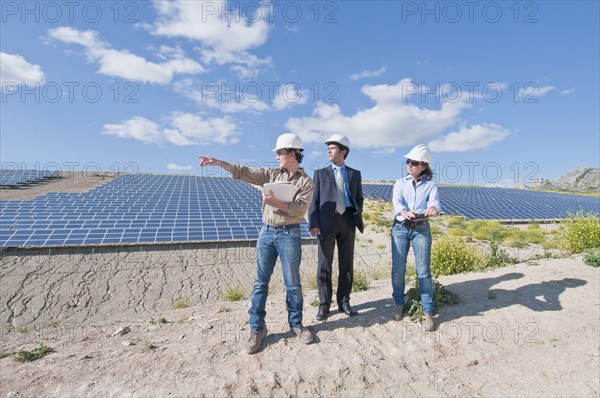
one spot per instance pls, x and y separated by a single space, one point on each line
429 323
255 341
304 335
399 313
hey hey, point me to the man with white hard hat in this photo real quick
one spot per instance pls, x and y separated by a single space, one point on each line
334 215
279 235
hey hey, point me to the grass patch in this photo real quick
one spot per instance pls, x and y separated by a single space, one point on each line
4 354
360 283
22 329
224 309
380 247
180 304
158 321
315 302
147 347
33 355
592 258
234 293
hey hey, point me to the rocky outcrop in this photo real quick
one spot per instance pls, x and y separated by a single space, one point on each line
581 179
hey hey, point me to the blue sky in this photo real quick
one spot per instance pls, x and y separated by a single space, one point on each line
502 92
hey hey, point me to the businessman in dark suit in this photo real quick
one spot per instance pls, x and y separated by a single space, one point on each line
334 215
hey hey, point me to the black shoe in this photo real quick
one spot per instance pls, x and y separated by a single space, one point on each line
322 313
346 309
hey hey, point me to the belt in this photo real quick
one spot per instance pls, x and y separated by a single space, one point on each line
410 223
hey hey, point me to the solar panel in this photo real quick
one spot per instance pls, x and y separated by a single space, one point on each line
19 177
501 203
137 208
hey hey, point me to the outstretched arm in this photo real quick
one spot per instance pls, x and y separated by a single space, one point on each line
210 161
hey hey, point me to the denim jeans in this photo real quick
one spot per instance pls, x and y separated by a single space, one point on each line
420 236
272 242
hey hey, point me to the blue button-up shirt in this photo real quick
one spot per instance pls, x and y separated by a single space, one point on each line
345 177
414 198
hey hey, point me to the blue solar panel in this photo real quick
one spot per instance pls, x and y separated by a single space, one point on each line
501 203
19 177
137 208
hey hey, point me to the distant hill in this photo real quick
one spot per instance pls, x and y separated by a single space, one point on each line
581 179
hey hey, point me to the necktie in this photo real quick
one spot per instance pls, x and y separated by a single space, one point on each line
340 206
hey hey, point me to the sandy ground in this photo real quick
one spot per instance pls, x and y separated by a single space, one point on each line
525 330
532 329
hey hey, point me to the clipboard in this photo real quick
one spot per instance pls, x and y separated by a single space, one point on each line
281 190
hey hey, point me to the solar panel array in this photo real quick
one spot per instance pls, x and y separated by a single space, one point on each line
501 203
137 208
16 177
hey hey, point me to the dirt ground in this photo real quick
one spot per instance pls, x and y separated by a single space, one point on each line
532 329
525 330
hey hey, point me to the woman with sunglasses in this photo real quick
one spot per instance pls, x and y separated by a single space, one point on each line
415 198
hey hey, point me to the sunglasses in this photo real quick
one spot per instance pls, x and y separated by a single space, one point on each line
413 163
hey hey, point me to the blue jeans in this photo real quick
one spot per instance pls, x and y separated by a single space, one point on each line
420 236
285 243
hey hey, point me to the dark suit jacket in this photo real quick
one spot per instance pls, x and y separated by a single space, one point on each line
322 208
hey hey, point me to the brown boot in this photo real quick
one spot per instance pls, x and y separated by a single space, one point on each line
255 341
429 323
399 313
304 335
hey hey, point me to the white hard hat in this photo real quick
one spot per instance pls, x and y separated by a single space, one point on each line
339 139
419 153
288 141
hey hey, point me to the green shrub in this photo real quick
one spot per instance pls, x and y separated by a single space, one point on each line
592 258
35 354
580 232
515 237
158 321
497 257
451 256
360 283
441 298
233 293
483 229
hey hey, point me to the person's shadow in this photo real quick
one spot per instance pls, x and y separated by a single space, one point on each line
477 296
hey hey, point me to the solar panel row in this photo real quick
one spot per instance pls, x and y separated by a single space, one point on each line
137 208
501 203
16 177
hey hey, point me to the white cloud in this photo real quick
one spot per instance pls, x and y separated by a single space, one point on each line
249 97
225 35
138 128
390 123
122 63
533 90
368 73
289 95
218 95
184 129
15 69
470 138
176 167
567 91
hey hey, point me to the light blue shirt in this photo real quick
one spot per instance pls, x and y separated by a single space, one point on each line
345 177
414 198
